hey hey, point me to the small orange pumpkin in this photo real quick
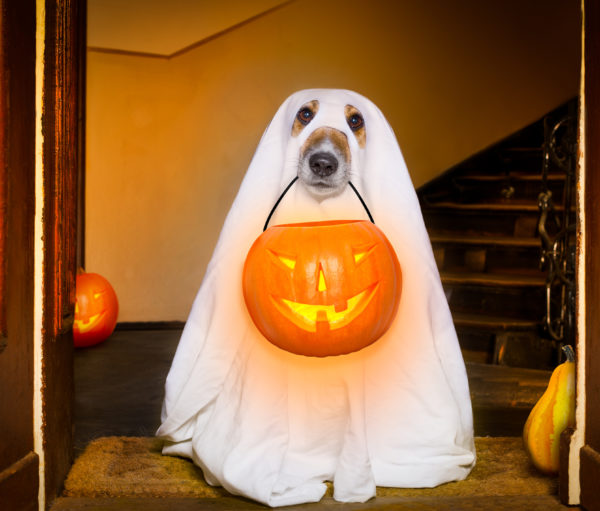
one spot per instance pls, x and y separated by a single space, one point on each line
322 288
96 310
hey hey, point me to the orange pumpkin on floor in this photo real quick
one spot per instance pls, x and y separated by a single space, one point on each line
96 310
322 288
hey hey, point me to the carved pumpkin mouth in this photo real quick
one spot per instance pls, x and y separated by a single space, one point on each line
86 325
312 317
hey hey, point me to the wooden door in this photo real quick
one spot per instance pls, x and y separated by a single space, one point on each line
590 453
18 461
63 51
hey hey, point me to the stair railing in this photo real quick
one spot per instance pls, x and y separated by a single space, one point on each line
557 230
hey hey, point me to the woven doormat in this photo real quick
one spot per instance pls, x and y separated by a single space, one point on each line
135 467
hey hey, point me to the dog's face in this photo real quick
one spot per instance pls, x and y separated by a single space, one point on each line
325 157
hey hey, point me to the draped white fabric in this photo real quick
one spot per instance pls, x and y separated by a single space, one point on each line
273 426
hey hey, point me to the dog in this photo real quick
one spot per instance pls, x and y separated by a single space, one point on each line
325 159
272 425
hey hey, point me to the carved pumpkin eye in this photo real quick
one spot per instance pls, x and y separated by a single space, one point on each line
361 254
288 261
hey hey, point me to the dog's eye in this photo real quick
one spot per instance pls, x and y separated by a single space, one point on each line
305 115
355 121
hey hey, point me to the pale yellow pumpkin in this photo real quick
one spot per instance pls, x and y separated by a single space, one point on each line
552 414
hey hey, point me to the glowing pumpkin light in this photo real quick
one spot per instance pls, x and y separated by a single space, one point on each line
322 288
96 310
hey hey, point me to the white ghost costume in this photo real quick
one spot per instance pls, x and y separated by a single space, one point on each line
273 426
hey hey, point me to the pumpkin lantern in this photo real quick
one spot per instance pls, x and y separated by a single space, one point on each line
322 288
96 310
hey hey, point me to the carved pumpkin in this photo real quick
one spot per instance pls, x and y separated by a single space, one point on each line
322 288
96 310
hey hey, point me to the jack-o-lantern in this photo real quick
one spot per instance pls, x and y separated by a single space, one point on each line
322 288
96 310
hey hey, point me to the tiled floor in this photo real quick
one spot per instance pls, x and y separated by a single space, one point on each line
119 387
119 384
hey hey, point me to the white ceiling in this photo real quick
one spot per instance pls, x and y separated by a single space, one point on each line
164 27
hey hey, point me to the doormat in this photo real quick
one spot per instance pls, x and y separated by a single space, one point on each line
135 467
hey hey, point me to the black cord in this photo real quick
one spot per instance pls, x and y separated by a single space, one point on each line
296 179
362 201
278 201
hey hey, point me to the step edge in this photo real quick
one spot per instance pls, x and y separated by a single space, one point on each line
487 279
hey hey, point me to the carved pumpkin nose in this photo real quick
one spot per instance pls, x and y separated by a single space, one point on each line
323 164
322 286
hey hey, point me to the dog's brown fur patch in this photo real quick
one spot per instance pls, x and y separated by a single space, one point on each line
297 127
337 138
361 133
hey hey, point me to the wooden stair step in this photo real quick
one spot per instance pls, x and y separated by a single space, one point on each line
502 396
524 150
504 386
492 279
478 222
512 176
492 322
516 301
512 206
505 241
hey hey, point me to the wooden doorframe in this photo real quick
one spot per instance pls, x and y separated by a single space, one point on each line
62 160
580 448
590 452
61 125
62 129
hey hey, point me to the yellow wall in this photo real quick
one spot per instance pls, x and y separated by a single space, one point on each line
168 141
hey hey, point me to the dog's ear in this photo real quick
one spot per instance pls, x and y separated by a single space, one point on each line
306 114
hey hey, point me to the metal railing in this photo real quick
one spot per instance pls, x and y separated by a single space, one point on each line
556 227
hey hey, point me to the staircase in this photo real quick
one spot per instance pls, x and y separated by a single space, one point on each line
482 217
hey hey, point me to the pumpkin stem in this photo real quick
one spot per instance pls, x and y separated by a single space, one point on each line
570 354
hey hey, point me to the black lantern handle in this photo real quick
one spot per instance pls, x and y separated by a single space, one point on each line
296 179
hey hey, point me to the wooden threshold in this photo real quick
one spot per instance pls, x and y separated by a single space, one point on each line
150 325
516 503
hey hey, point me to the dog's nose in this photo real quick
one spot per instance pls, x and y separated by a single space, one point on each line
323 164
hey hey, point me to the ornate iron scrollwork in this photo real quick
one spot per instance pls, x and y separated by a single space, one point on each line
556 227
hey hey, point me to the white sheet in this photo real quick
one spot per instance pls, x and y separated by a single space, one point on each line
272 426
